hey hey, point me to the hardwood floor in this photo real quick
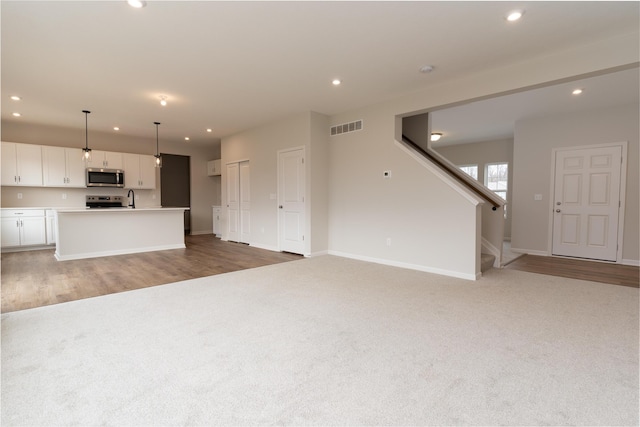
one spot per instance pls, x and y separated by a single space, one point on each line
615 274
33 279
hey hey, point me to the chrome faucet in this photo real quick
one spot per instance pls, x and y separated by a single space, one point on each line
132 202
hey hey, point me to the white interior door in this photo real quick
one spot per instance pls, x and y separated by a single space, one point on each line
586 203
245 203
233 202
291 201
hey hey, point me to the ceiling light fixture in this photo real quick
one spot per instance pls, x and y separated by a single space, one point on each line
86 151
16 98
577 91
138 4
186 138
515 15
116 128
17 114
157 156
209 130
336 82
435 136
163 100
426 69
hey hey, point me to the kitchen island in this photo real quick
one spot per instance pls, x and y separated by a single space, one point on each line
90 233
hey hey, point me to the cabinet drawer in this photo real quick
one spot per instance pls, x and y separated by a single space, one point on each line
13 213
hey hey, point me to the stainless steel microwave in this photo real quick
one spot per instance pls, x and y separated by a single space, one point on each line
97 177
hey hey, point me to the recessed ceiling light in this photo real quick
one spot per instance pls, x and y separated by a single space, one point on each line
426 69
209 130
16 98
116 128
17 114
435 136
576 91
336 82
163 100
138 4
514 15
186 138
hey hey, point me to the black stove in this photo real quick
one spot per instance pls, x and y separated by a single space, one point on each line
102 202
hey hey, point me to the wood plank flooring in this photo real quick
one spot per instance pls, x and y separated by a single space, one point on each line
34 278
615 274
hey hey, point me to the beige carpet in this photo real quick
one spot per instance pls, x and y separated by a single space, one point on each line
329 341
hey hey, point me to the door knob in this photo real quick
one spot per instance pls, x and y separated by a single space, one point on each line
558 203
558 210
280 206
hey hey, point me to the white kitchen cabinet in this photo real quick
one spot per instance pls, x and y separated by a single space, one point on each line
23 227
63 167
214 167
217 230
139 171
106 159
21 164
50 218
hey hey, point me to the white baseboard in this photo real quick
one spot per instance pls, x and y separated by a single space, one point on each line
117 252
320 253
450 273
267 247
633 262
529 252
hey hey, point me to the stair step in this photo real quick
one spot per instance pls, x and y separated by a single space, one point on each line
486 262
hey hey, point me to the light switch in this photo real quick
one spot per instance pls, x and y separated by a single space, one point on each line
537 197
19 195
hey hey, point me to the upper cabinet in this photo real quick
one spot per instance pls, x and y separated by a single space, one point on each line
139 171
106 159
214 167
63 167
21 164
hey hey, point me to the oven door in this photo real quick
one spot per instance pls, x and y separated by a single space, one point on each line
105 178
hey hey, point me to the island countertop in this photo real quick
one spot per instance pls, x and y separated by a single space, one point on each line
122 209
96 232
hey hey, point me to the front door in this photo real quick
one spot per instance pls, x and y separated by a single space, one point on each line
587 202
291 201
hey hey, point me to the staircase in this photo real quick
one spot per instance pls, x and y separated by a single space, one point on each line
486 262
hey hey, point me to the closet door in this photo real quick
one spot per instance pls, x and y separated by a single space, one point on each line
245 203
233 202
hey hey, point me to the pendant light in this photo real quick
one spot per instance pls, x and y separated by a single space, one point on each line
86 151
157 155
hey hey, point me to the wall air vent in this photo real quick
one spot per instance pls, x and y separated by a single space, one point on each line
346 128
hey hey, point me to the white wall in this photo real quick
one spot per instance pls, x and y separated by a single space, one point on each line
205 190
533 144
260 146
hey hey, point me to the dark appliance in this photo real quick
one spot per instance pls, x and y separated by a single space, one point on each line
102 202
97 177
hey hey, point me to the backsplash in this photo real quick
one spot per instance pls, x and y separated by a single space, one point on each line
48 197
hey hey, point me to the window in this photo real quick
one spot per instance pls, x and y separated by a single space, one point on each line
496 178
471 170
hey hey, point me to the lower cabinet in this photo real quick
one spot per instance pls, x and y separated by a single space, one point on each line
23 227
217 210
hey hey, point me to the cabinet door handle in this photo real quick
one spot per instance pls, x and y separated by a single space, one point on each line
17 223
15 178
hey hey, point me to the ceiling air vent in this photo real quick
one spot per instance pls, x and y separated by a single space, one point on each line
346 128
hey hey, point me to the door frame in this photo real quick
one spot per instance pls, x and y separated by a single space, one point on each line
623 194
306 198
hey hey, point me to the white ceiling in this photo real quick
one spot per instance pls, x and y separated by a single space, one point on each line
494 118
232 66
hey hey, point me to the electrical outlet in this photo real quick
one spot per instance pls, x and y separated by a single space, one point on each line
19 195
64 196
153 196
537 197
388 241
